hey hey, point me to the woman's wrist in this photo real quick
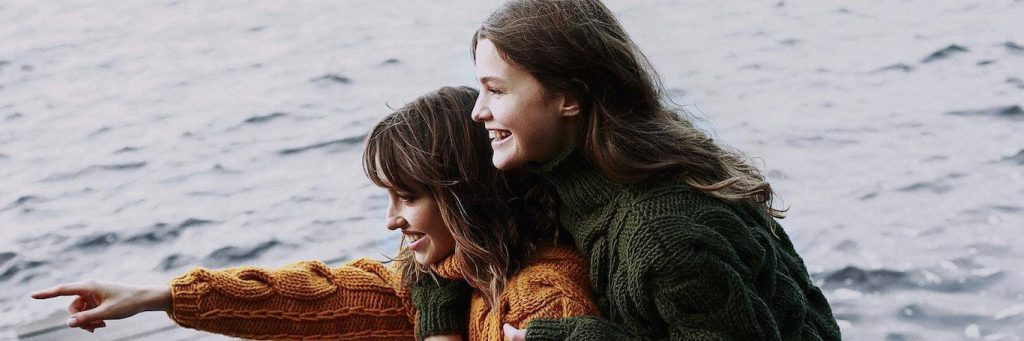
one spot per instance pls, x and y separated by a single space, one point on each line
158 298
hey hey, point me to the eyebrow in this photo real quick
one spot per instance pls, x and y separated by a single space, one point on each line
490 79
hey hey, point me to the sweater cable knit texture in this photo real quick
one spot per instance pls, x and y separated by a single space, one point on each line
364 300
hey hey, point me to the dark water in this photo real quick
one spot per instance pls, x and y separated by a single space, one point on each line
138 140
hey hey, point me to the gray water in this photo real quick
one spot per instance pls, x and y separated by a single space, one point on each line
140 139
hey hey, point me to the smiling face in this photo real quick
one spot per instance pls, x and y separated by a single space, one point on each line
423 231
525 122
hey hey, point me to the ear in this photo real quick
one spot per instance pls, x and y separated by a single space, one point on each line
570 106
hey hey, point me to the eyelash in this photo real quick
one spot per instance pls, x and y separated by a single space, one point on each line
406 198
495 91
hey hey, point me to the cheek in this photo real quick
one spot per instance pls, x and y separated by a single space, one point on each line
511 112
435 227
443 238
500 112
538 121
444 245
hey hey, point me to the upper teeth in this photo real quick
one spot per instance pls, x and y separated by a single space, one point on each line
414 237
499 134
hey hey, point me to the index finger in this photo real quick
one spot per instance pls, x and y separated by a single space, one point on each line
65 289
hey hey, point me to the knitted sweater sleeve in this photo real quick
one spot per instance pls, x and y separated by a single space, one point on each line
304 300
442 306
694 287
555 287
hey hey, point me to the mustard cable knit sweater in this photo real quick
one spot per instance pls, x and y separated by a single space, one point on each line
364 300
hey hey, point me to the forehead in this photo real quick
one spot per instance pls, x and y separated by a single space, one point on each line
490 64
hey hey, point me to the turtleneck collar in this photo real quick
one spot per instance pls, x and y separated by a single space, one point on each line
580 184
449 267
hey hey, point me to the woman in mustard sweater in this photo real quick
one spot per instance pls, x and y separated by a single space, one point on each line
463 223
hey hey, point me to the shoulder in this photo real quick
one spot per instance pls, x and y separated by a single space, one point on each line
671 220
552 266
670 198
672 210
553 284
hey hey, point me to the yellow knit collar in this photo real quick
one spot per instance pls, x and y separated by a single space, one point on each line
450 267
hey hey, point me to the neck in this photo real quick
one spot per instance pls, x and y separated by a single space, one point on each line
580 185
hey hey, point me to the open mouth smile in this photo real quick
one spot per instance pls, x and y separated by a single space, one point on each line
498 134
413 239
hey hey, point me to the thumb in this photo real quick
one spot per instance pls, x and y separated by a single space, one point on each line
513 334
88 317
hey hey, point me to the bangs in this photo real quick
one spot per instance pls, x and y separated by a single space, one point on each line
387 160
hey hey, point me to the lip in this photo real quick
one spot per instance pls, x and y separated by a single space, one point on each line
414 245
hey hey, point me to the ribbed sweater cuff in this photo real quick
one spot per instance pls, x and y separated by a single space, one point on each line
186 294
547 329
441 309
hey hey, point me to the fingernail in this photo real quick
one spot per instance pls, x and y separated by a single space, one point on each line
72 322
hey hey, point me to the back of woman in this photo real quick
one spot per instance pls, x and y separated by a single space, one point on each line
669 261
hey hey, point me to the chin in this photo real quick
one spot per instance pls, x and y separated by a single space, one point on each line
500 164
421 258
505 162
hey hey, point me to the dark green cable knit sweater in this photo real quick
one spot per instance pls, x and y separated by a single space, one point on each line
669 262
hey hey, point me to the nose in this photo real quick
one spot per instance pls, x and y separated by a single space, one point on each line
394 221
481 112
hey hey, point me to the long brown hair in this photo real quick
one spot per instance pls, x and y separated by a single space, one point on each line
629 129
432 146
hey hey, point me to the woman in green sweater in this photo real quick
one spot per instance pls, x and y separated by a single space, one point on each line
679 232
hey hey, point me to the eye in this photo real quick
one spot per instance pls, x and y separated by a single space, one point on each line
495 91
